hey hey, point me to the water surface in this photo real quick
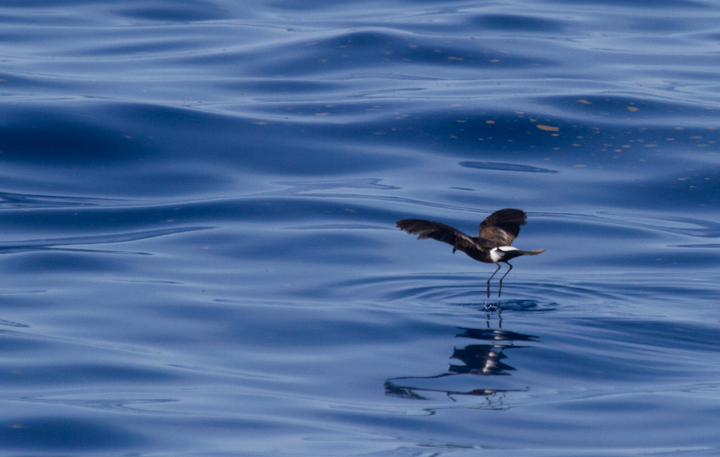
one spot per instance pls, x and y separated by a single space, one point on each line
199 247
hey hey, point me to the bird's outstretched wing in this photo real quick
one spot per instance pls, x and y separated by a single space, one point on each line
501 227
437 231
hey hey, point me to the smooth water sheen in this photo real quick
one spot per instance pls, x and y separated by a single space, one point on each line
198 226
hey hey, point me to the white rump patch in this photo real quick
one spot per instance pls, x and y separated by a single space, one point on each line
496 254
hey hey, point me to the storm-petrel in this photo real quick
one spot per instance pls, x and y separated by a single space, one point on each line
497 233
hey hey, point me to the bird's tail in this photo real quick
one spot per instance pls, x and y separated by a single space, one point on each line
535 252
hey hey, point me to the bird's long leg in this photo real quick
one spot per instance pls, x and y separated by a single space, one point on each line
488 282
500 288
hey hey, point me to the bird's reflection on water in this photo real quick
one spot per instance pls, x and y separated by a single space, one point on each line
488 358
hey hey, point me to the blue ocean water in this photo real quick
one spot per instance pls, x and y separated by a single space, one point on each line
198 227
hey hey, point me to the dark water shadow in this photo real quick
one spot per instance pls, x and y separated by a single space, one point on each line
500 166
61 243
24 201
65 435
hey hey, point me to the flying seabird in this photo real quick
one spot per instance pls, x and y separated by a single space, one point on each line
493 245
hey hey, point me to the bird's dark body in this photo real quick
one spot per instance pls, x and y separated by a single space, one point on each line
492 245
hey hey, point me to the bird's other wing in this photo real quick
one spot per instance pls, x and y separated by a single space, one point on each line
502 227
437 231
